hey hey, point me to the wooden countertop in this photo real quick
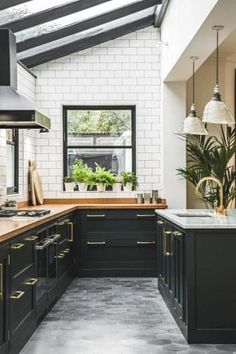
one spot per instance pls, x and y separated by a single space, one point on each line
10 227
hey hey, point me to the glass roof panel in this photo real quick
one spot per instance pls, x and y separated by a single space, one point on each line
88 33
29 8
74 18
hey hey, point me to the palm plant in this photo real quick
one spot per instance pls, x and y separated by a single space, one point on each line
212 156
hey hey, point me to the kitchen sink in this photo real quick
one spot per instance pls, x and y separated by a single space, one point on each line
198 214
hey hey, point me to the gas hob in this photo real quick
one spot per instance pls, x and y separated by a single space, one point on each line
24 213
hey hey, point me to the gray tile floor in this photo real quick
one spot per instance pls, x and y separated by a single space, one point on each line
113 316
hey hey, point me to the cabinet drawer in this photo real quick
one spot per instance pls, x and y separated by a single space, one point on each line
22 253
120 239
22 297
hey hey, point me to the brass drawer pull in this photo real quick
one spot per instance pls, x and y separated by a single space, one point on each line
1 282
159 222
17 295
31 281
43 246
96 243
145 215
17 246
31 238
177 233
71 224
165 251
61 223
96 215
60 256
66 251
146 242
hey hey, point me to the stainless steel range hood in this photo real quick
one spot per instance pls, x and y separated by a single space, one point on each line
16 111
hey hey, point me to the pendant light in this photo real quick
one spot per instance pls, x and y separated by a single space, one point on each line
216 111
192 124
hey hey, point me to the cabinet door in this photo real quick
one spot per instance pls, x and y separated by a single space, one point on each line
4 276
178 271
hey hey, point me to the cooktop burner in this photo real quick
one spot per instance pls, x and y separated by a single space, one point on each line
31 213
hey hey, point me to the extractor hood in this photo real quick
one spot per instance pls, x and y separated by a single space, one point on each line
16 111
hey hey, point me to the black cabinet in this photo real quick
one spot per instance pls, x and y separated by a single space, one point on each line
22 290
4 295
171 269
117 243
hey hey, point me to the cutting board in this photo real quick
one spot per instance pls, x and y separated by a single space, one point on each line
35 184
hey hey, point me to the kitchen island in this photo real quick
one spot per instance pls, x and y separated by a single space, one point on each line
197 272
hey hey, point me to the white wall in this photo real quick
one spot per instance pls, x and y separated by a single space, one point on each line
124 71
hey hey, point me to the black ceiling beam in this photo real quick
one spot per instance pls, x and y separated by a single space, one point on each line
88 42
160 13
51 14
85 25
5 4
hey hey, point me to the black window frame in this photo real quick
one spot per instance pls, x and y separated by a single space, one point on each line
15 141
99 107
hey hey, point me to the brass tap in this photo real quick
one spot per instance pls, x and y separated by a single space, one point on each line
220 210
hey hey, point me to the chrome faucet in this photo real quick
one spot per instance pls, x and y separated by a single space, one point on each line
220 210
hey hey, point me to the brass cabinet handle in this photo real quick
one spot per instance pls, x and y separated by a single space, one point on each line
145 215
96 215
17 295
31 281
159 222
60 256
61 223
96 242
146 242
165 251
177 233
17 246
1 282
71 224
31 238
43 246
67 251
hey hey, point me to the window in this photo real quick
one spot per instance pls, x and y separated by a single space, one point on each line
12 161
101 134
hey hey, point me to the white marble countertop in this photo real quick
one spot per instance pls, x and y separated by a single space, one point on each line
211 221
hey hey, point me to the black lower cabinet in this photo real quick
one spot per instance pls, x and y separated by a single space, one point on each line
196 276
4 291
117 243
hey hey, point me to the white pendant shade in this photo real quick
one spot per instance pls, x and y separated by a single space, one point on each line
216 111
193 125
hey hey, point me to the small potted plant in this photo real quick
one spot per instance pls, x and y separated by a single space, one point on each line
116 186
129 180
69 183
81 174
102 178
9 205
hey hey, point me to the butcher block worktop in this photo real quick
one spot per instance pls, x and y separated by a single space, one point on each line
11 227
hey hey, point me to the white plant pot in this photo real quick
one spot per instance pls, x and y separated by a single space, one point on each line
101 187
128 187
82 187
69 187
116 187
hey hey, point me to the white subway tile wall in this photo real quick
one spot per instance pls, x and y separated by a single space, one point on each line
124 71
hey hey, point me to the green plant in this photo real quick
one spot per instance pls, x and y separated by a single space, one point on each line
81 172
129 177
212 156
101 175
68 179
9 203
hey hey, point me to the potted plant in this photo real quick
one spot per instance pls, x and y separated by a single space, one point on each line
9 205
102 178
69 183
212 156
129 180
81 174
116 186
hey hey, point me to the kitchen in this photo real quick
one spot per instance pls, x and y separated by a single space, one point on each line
102 249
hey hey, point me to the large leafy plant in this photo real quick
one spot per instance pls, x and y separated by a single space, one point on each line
212 156
101 175
81 172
